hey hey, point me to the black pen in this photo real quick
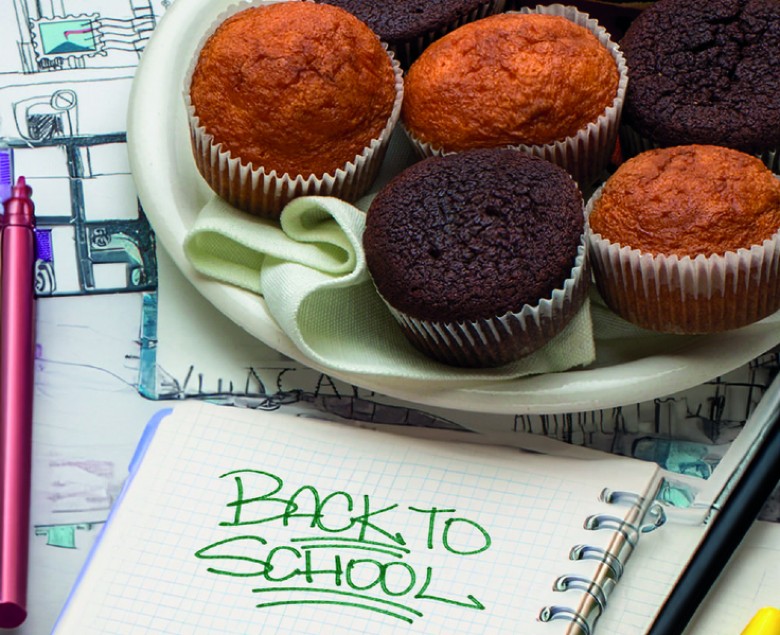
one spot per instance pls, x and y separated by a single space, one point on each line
757 481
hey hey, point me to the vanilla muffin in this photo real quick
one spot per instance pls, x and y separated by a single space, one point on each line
687 239
291 98
479 255
551 83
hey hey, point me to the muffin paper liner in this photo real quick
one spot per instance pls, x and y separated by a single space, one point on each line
672 294
633 143
408 51
502 339
586 154
252 189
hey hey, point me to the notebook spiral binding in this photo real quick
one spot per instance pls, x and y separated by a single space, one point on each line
644 515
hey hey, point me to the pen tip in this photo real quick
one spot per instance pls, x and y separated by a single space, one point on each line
21 189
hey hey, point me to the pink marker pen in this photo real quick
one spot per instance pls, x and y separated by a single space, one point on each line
17 352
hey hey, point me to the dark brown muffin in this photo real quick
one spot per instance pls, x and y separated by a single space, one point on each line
472 238
408 26
705 73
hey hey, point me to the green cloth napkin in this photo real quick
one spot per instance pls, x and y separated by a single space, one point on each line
311 271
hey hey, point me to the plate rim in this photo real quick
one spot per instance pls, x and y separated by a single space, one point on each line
575 390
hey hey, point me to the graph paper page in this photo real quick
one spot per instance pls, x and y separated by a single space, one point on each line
240 521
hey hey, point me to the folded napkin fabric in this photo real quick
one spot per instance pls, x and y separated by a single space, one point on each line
311 271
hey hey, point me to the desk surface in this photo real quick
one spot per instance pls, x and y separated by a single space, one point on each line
87 348
70 103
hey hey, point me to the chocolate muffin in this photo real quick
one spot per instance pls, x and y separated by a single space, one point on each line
704 73
479 254
408 26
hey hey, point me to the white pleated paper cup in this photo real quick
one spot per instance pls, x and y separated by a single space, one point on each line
251 188
687 295
633 143
492 342
587 154
408 51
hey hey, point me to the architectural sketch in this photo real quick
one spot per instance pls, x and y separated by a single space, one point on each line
54 36
87 412
65 536
63 101
92 234
46 117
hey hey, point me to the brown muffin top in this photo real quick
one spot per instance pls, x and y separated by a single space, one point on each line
508 79
295 87
689 200
396 21
705 72
473 234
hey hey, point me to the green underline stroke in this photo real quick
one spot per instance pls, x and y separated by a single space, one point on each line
356 547
336 602
367 598
350 540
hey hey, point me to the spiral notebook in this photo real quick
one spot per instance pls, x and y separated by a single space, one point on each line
244 521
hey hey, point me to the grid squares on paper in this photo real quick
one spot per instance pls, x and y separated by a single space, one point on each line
470 520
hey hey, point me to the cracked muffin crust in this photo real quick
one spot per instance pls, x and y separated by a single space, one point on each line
689 200
473 234
296 87
508 79
466 248
686 239
705 72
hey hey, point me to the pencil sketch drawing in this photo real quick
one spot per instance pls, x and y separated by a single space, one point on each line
63 101
53 37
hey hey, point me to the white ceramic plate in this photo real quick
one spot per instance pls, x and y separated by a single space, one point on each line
172 192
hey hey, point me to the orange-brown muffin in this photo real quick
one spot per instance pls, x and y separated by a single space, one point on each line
508 79
689 200
294 88
687 239
548 80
